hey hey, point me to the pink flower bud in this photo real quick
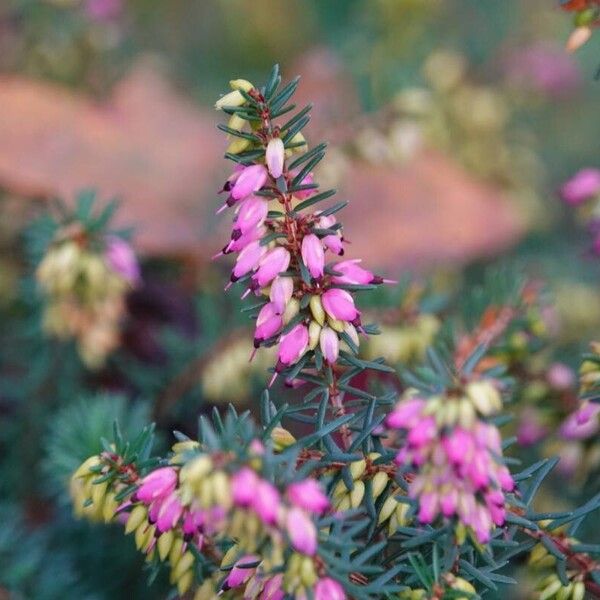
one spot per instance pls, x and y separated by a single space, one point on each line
560 376
308 495
458 446
247 260
268 323
423 432
313 255
121 259
330 345
329 589
273 589
334 244
428 507
274 262
339 304
581 187
247 238
275 156
448 501
581 424
157 484
281 292
293 345
243 569
169 514
250 180
244 484
266 502
253 211
406 414
352 273
301 531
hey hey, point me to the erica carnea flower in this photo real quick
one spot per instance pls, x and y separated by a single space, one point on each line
284 246
455 457
85 276
583 186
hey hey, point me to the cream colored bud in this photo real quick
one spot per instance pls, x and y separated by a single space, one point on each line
98 493
291 310
176 552
231 99
183 564
165 543
206 591
388 507
194 471
578 591
109 508
551 589
342 504
308 574
336 325
579 36
238 145
316 308
357 468
466 413
241 84
357 494
185 446
314 332
352 333
84 469
185 582
236 122
301 141
222 489
281 438
484 396
378 483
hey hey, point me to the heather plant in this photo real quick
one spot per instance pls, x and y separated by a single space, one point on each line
342 487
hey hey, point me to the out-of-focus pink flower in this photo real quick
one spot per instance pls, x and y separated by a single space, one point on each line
339 304
266 502
543 68
308 180
157 484
275 156
243 569
583 186
103 10
329 589
170 512
243 486
581 424
273 589
121 259
308 495
313 255
301 531
530 430
560 376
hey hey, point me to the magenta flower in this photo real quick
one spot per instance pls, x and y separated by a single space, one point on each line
583 186
301 531
334 244
266 502
313 255
329 589
247 260
581 424
157 484
268 323
244 484
170 512
271 264
273 589
243 569
252 213
329 344
560 376
293 345
250 180
406 414
339 304
308 495
121 259
351 272
103 10
275 156
281 292
308 180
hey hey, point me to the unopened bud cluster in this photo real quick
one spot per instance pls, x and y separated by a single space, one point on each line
454 456
84 282
281 245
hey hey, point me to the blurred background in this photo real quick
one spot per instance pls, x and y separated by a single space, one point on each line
451 126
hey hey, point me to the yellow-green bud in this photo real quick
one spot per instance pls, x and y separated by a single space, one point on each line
241 84
316 308
282 439
378 483
231 99
292 308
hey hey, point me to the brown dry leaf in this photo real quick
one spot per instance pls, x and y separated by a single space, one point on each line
428 212
147 145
